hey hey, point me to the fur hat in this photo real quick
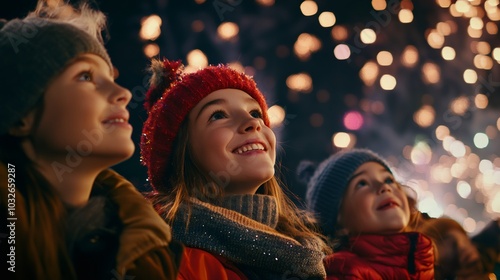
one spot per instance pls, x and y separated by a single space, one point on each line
327 183
33 51
170 98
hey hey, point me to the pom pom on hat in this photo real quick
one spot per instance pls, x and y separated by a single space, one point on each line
172 95
329 182
164 74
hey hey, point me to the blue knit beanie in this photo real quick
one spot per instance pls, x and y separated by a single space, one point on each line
328 183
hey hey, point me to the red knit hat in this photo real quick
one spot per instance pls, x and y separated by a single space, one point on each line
170 98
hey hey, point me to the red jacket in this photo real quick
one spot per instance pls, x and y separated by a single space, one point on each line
202 265
399 256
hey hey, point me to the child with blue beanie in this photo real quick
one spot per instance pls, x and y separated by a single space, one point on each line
358 202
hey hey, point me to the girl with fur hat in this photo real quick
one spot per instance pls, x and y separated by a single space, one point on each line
64 122
211 155
359 204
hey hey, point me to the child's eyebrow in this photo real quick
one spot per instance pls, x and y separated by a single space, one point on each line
91 61
356 175
208 104
248 100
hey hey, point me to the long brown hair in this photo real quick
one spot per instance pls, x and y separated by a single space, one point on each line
45 213
185 179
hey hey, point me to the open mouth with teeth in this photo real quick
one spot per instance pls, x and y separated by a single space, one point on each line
111 121
387 205
249 148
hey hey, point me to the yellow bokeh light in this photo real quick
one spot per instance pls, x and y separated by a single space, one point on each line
309 8
299 82
305 45
228 30
431 73
476 23
448 53
276 115
387 82
410 56
481 101
327 19
197 58
341 140
369 73
150 27
460 105
454 12
443 3
496 54
474 33
339 33
483 62
405 16
462 6
442 131
494 14
483 47
379 5
368 36
384 58
424 116
151 50
491 28
435 40
470 76
443 28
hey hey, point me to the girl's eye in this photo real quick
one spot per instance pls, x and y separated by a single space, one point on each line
361 184
217 115
256 114
389 180
85 76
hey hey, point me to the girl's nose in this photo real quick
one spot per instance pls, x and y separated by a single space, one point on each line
250 124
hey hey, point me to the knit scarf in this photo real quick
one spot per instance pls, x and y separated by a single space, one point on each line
242 230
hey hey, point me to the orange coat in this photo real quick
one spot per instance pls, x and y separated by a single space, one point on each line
201 265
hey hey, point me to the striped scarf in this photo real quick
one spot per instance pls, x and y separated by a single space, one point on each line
242 230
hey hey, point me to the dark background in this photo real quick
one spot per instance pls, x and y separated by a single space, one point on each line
265 42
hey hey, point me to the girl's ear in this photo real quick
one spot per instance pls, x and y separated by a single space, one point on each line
341 230
24 126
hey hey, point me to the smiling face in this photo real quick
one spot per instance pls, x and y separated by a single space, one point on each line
374 202
230 142
84 115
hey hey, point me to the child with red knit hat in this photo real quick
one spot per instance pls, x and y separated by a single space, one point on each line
211 154
361 206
